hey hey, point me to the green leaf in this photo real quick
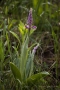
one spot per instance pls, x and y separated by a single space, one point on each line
15 71
37 76
6 10
11 23
1 51
2 55
32 31
29 66
21 31
21 28
44 73
24 55
15 35
8 43
35 2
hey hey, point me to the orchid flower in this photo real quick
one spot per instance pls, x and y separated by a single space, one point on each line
35 48
29 24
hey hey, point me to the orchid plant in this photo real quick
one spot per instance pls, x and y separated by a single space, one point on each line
24 73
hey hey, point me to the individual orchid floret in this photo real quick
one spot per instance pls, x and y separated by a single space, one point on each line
29 24
35 48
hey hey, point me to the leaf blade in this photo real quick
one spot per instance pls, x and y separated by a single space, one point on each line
15 71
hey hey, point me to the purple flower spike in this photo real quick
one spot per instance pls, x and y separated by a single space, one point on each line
29 24
35 48
30 18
